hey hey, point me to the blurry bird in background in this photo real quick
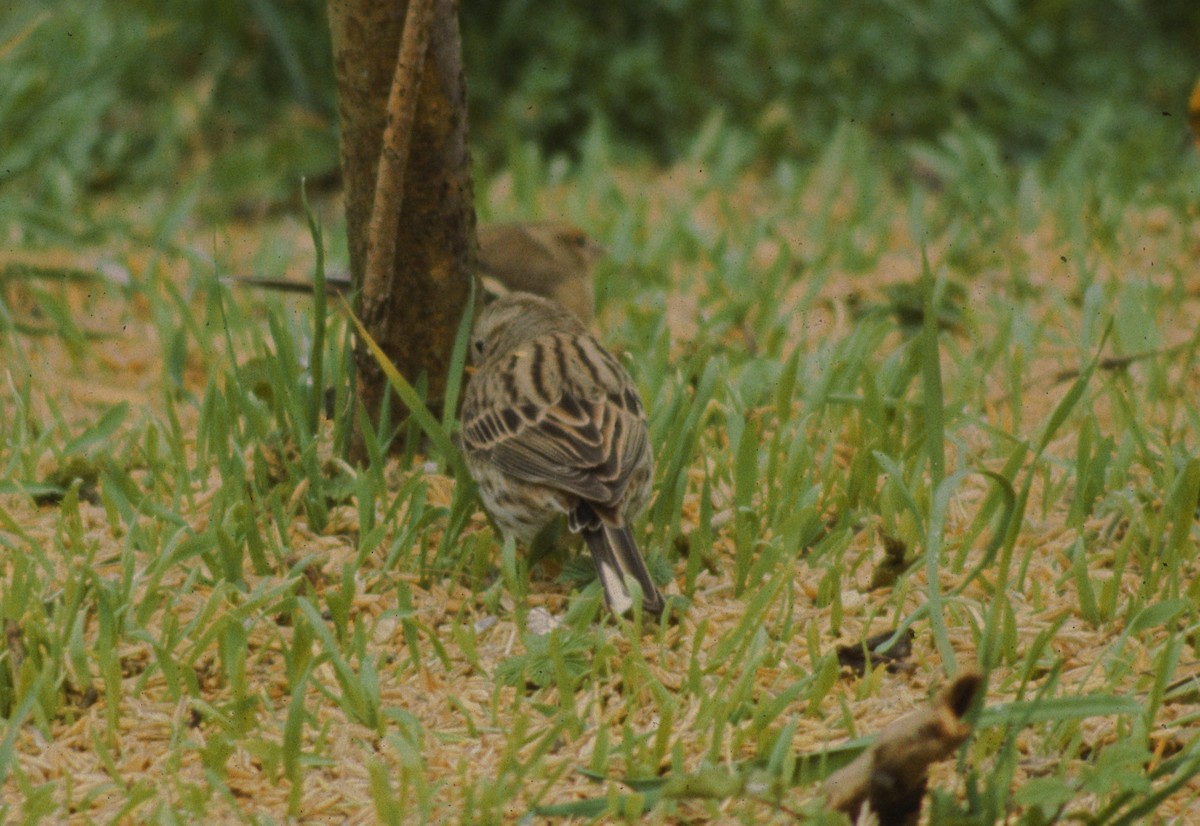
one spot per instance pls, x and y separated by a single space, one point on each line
552 424
547 258
552 259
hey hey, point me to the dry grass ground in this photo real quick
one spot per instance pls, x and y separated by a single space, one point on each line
226 735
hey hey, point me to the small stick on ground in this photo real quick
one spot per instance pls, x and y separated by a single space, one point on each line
1109 363
1121 362
891 776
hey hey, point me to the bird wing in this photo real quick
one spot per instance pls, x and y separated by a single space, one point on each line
578 427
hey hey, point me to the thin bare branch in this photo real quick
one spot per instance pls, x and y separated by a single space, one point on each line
890 777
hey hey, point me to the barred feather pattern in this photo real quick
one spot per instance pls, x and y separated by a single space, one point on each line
552 424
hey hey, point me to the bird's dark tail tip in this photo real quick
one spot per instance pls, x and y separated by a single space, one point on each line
617 556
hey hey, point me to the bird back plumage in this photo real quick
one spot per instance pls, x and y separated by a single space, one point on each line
549 407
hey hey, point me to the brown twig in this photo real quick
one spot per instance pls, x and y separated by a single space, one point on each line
890 777
393 160
335 284
1121 362
1109 363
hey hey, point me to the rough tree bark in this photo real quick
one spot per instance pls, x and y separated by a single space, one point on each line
413 314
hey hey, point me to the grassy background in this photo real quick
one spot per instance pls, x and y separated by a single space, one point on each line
208 616
240 100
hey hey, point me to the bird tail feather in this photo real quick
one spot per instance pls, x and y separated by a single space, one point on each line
616 556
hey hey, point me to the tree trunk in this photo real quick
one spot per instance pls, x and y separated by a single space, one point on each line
413 311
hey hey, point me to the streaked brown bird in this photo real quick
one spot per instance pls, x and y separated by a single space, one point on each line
553 259
552 424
